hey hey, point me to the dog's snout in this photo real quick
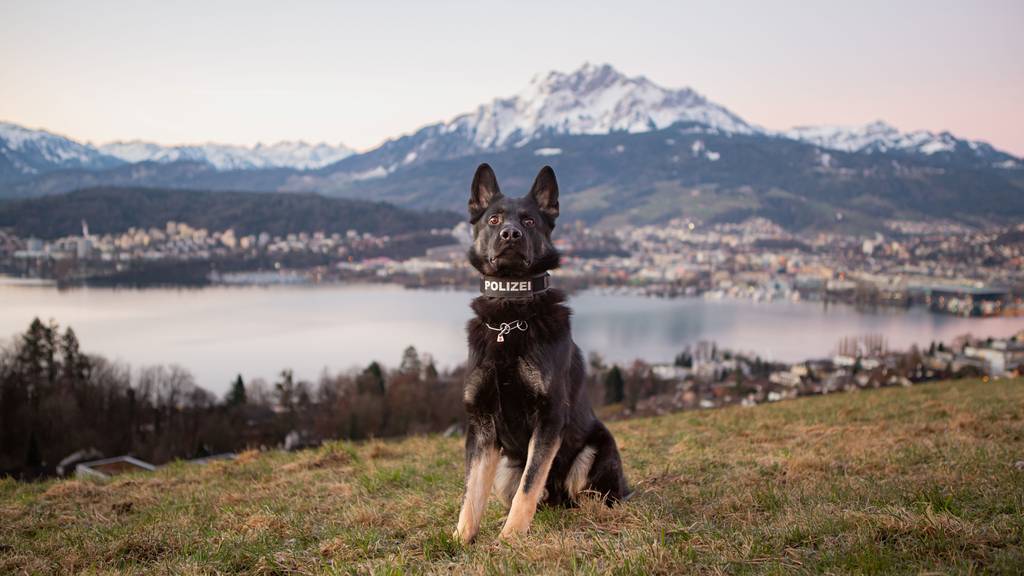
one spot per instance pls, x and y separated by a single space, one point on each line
510 233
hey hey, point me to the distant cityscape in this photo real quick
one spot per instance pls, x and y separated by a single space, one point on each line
946 267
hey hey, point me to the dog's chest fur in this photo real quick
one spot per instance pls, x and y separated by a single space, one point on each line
512 383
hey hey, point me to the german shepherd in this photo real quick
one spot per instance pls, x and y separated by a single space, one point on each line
531 432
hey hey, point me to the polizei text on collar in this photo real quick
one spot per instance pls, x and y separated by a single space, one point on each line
516 288
508 285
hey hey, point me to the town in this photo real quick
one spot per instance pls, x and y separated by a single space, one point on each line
946 267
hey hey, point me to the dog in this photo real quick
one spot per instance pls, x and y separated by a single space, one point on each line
531 432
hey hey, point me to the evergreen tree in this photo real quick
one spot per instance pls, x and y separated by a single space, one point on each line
430 372
410 362
75 367
371 381
236 396
614 386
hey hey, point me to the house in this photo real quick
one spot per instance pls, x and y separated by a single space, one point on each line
110 467
999 356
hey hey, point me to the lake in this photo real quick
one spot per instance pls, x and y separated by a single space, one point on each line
219 332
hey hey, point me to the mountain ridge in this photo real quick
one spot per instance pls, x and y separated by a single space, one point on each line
596 117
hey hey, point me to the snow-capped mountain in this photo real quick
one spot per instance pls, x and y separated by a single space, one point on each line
299 155
554 115
879 138
596 99
593 100
25 152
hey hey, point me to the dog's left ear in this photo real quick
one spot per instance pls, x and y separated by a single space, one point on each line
545 193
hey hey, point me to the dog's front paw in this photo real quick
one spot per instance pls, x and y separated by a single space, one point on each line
513 530
463 536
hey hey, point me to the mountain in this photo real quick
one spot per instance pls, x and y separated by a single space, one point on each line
880 138
686 171
300 155
595 99
26 153
626 151
591 100
114 210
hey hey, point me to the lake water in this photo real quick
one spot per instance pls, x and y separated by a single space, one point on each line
257 331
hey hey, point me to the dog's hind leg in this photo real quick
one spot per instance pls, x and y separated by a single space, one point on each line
481 464
605 476
577 480
506 481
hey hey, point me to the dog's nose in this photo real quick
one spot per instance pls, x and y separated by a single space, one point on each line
510 233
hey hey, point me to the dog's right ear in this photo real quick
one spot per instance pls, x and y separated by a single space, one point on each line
483 191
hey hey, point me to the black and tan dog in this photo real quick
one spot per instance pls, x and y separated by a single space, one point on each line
532 435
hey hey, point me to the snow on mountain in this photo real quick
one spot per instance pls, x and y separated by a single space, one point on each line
300 155
879 137
592 100
28 152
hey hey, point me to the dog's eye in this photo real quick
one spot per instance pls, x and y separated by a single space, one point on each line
528 222
494 220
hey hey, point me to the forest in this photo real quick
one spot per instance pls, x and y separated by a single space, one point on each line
56 399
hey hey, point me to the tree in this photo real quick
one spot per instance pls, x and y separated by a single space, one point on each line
430 372
639 383
36 362
75 366
410 362
739 380
236 396
371 381
285 390
614 386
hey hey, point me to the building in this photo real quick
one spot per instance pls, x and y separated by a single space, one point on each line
110 467
966 300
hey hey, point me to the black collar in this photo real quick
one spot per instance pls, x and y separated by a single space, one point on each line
514 288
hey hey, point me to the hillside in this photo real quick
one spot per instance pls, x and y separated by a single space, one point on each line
687 171
114 210
889 481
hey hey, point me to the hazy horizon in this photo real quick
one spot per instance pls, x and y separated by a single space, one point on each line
242 73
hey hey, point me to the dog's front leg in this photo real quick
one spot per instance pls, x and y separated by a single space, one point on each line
481 464
544 444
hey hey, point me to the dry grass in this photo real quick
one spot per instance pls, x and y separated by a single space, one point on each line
899 480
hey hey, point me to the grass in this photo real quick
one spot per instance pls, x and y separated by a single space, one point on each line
890 481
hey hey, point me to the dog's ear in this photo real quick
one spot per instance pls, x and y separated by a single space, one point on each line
545 193
483 191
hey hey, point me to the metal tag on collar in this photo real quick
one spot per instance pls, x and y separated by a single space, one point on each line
507 327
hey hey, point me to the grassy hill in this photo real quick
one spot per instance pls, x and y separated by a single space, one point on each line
889 481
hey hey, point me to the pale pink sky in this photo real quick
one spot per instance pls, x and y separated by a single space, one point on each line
242 72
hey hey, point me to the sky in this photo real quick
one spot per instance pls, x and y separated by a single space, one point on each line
362 72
